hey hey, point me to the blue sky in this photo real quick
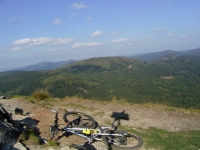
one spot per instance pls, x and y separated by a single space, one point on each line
32 31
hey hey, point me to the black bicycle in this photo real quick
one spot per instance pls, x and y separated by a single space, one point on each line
83 125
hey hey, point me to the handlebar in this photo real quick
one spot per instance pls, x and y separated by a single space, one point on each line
56 118
54 111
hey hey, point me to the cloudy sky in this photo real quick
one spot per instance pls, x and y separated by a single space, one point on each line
32 31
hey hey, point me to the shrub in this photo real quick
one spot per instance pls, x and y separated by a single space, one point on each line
30 134
41 95
52 143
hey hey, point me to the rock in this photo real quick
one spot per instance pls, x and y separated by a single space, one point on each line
19 111
18 146
2 97
99 146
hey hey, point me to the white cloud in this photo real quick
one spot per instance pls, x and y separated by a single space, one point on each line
88 19
26 42
78 5
60 41
170 35
97 33
160 29
83 45
111 34
114 33
17 48
57 21
120 40
21 41
40 41
183 36
72 15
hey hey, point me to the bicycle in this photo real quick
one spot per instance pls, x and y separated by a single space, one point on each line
83 125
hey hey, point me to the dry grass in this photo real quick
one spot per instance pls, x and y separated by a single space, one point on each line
41 94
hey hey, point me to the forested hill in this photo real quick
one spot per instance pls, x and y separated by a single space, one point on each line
172 80
94 65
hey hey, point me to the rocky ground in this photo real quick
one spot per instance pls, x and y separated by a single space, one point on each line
141 116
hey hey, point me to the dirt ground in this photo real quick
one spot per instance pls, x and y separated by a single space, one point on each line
141 116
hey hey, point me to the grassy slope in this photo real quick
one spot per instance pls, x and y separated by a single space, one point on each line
160 139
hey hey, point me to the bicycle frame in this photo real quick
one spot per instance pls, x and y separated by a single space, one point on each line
89 134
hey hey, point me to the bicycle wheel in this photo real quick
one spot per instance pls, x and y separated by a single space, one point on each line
128 141
79 119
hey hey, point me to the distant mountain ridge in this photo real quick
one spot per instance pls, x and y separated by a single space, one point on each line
46 65
159 55
154 56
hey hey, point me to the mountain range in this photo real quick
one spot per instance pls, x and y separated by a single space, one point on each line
170 78
159 55
45 65
150 57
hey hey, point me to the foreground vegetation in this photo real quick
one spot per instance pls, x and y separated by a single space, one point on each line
172 82
160 139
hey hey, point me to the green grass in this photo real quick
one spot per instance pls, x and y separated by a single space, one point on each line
52 143
35 138
159 139
100 114
30 134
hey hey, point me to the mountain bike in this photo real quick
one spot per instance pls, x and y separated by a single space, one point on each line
83 125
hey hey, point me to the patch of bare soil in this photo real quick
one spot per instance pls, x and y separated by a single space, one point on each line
141 116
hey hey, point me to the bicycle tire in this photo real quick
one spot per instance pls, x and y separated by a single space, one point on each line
114 143
86 120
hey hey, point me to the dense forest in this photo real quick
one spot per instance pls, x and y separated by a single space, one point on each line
173 81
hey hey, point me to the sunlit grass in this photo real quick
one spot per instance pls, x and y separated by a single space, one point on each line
160 139
31 134
100 114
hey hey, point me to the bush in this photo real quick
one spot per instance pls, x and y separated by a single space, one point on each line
52 143
31 134
41 95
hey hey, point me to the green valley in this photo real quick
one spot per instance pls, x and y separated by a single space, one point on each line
172 81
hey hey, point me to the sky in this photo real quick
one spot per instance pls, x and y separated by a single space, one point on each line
32 31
